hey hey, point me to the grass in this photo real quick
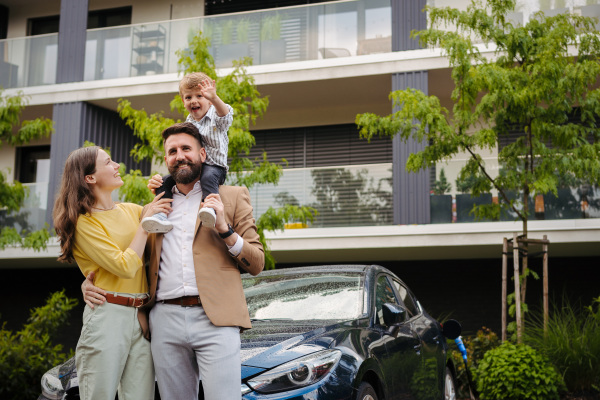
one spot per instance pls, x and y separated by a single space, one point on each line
571 344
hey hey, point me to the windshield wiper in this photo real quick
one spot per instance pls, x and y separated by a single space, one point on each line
269 319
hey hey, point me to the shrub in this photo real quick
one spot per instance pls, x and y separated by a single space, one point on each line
476 346
516 372
571 343
26 355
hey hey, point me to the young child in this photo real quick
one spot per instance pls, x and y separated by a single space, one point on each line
213 118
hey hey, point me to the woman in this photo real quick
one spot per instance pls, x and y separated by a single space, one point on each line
107 239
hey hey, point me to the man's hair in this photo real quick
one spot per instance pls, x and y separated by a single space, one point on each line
183 127
191 81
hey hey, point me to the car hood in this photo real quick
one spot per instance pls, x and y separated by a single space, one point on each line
271 343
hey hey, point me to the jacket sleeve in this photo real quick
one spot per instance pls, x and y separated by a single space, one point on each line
252 256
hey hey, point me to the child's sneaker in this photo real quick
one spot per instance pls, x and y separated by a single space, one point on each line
157 223
208 217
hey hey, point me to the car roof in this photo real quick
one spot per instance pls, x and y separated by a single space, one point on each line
311 269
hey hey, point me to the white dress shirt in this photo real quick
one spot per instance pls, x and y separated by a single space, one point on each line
176 274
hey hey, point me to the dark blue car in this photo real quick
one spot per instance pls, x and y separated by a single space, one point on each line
341 332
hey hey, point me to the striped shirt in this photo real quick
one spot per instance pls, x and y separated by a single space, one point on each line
213 130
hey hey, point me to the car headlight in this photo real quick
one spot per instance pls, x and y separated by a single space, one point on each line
300 372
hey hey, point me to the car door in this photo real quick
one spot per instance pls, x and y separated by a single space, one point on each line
428 381
403 347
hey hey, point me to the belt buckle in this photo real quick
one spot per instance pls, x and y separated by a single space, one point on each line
138 302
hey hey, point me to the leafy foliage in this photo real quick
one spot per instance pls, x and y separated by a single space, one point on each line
516 372
476 346
135 187
26 355
237 89
274 219
571 343
13 194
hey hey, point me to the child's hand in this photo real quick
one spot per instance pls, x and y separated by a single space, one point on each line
208 89
154 183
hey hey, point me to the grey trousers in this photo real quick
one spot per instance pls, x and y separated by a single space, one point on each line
187 347
112 354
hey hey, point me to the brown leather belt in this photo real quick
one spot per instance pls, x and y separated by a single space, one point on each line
185 301
126 301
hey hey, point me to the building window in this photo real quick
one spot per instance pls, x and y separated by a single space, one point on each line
33 164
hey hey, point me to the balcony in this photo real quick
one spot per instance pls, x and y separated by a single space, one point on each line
356 195
313 32
326 30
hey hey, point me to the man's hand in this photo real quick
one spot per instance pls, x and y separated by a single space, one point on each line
214 201
154 183
92 294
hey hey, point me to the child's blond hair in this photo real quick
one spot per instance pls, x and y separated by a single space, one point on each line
191 81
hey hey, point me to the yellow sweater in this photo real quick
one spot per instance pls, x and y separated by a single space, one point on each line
102 244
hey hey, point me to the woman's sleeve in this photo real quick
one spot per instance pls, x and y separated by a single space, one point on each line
93 241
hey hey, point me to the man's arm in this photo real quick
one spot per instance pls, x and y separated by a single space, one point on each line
92 294
251 257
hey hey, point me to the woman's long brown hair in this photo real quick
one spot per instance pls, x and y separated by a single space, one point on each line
74 198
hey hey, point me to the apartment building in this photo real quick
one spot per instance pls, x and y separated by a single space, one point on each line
321 64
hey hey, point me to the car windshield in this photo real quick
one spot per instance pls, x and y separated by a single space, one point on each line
304 296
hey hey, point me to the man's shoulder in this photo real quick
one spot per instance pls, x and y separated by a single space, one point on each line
225 190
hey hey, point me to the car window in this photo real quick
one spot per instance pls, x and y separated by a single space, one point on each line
304 296
406 298
383 294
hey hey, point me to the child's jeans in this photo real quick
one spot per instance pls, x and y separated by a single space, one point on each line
212 176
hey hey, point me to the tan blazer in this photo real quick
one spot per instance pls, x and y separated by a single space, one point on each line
217 275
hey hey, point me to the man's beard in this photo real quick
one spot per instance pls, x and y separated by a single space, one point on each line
185 176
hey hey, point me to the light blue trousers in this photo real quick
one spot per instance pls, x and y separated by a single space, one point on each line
187 347
113 355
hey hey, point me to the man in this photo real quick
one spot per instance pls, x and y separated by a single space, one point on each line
197 304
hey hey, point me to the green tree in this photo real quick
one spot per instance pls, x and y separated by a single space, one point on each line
15 132
238 90
541 80
442 186
27 354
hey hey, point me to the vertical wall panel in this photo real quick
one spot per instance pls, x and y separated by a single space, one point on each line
67 119
74 123
71 40
406 16
411 190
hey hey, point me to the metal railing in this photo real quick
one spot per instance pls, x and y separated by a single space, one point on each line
326 30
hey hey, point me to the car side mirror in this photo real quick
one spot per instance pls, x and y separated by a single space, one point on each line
393 314
451 329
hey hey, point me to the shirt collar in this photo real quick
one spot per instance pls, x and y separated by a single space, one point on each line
196 187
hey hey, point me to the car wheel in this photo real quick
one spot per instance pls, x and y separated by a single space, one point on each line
366 392
449 390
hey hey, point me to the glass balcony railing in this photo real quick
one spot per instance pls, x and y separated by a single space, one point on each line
32 215
574 200
326 30
343 196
